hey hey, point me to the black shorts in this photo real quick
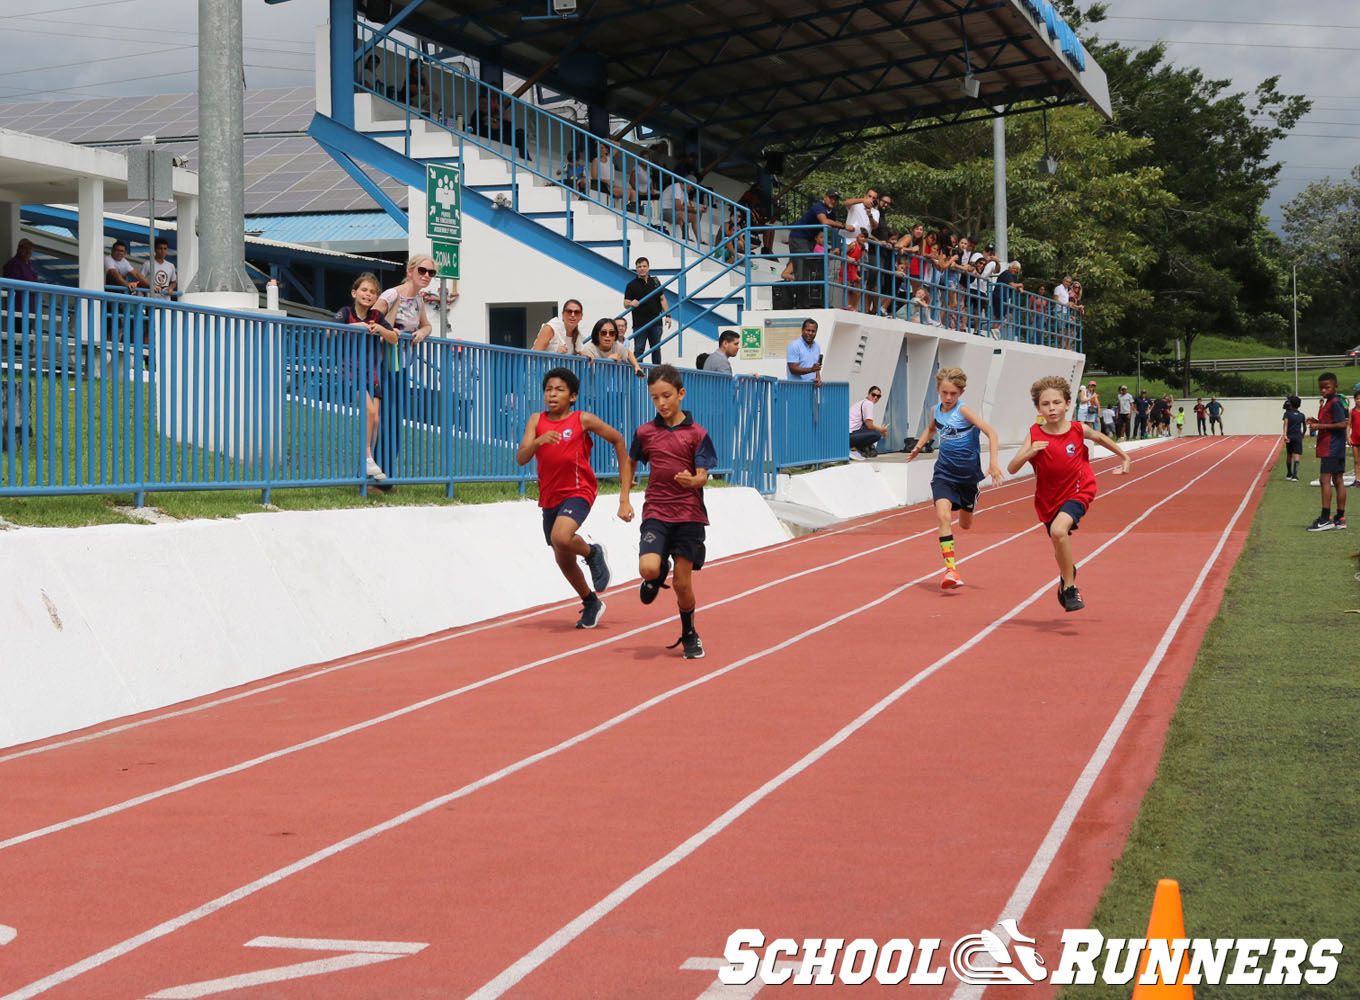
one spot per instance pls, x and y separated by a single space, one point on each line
1292 447
673 538
1075 508
961 496
576 508
1333 466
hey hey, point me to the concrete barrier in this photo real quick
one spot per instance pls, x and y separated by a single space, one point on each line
107 621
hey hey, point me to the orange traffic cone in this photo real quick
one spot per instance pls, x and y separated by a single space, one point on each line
1166 923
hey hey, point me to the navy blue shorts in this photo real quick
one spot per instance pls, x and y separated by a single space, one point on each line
1074 507
576 508
1333 466
961 496
673 538
1293 447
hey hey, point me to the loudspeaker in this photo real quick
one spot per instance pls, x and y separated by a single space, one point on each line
774 162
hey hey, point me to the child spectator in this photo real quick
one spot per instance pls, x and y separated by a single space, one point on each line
1293 437
1355 434
1201 417
1180 421
368 377
1331 425
560 438
1064 484
855 252
958 467
680 454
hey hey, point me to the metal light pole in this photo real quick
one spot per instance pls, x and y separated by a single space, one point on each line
1140 364
1000 222
221 112
1296 329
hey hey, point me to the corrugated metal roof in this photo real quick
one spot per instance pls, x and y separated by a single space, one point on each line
327 227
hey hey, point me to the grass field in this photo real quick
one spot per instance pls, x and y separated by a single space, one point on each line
1256 804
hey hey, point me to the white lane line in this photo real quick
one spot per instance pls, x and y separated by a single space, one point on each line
245 765
555 942
1043 858
221 902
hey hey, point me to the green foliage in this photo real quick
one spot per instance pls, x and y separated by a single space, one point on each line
1322 234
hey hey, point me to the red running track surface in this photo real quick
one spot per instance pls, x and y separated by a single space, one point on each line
522 809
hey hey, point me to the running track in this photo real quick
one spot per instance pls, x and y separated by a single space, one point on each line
520 809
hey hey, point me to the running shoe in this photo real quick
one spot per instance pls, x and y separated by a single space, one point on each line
374 470
951 580
1339 523
592 608
694 646
598 564
1322 524
1071 599
650 588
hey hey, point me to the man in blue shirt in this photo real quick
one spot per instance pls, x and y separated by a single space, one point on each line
804 355
802 239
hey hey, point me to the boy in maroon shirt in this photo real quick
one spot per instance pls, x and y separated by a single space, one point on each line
1064 484
680 454
560 438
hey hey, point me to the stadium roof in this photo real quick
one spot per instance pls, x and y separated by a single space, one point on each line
286 171
796 72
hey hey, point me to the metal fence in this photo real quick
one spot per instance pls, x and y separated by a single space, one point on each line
105 393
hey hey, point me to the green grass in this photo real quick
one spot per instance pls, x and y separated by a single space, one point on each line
1206 346
1256 804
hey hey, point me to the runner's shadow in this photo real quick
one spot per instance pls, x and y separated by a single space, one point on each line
1049 626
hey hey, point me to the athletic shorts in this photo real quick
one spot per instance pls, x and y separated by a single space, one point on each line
576 508
961 496
673 538
1073 507
1292 447
1333 466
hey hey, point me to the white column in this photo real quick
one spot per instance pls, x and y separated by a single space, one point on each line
90 208
186 246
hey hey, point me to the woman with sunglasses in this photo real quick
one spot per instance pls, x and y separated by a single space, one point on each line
605 344
561 334
403 307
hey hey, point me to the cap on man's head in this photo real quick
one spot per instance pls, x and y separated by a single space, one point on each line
990 248
833 193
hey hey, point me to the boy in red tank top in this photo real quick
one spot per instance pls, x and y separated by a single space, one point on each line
560 438
1064 484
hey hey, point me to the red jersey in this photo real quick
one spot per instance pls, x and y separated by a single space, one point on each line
1355 426
686 447
1062 471
564 468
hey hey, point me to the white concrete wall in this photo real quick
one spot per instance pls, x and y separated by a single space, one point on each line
106 621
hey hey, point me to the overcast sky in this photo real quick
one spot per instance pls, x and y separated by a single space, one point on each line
70 49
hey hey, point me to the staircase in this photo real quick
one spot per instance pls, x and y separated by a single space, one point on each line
519 168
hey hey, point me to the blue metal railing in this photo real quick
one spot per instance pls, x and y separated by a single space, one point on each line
111 393
544 145
916 289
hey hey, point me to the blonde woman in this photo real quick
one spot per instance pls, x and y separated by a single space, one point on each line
403 307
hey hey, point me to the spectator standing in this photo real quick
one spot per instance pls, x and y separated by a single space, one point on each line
118 270
804 355
910 246
366 378
1294 424
605 344
1010 285
729 342
1331 426
989 291
930 275
647 309
803 240
854 253
20 268
403 306
864 433
860 214
1201 417
164 276
1141 407
1215 409
1125 400
754 201
562 334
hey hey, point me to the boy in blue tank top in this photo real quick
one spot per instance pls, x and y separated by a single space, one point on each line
958 466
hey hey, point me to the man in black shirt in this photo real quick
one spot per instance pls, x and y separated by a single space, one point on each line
646 326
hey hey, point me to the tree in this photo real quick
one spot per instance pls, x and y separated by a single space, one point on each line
1322 233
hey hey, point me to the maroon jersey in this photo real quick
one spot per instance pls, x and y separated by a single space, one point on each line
564 468
1062 471
686 447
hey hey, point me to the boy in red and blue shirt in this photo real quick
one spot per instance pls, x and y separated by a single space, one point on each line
1331 425
680 453
1064 484
559 438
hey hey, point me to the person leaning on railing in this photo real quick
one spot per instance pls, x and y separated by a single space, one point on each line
605 344
118 270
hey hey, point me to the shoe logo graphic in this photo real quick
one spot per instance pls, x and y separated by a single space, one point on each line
985 960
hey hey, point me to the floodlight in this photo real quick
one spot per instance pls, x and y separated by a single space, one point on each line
969 85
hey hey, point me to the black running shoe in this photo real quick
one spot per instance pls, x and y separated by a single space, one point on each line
1071 599
650 588
598 564
592 609
694 646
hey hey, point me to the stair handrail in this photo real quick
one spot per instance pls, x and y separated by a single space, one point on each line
677 308
393 70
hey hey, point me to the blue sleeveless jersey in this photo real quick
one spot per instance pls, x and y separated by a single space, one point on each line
960 457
